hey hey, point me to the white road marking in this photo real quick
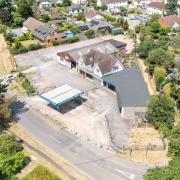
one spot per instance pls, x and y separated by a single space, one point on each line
126 174
53 138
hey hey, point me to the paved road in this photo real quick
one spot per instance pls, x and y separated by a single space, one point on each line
88 159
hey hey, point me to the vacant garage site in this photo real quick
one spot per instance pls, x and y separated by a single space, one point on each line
96 118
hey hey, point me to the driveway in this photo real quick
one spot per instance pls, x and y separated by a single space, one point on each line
93 162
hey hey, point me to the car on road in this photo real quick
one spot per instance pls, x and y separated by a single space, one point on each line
8 79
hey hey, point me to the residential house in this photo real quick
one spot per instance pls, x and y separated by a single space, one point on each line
113 5
156 8
95 65
76 8
79 1
141 3
131 90
70 58
99 25
172 21
90 15
40 30
44 4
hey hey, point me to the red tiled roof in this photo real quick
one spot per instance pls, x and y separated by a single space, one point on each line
32 23
90 14
169 20
158 5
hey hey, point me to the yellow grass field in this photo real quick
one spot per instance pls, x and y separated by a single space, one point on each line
6 59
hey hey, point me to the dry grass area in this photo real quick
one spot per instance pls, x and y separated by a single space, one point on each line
177 117
6 59
16 89
41 161
150 82
145 136
142 137
150 157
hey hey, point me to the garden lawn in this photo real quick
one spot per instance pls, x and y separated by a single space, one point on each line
29 42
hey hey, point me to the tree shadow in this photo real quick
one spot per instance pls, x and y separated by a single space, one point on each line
17 108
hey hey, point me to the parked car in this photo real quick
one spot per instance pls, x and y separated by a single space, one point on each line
124 14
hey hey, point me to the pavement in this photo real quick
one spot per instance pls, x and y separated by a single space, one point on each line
88 159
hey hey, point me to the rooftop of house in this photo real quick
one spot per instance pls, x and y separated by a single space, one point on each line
130 87
90 14
75 7
112 1
117 44
32 23
103 47
157 5
99 24
169 20
42 32
105 62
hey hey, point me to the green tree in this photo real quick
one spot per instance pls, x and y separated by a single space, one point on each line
9 144
24 8
146 46
6 8
4 108
66 2
104 7
174 144
125 25
89 32
17 19
3 28
160 57
170 172
155 26
161 110
159 75
11 164
171 7
12 159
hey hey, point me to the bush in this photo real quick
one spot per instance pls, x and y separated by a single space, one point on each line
174 144
159 76
33 47
73 39
25 83
9 144
12 159
107 17
161 110
40 173
21 50
55 43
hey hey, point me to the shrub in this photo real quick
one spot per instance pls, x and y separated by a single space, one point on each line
32 47
55 43
161 110
174 144
12 159
73 39
159 75
25 84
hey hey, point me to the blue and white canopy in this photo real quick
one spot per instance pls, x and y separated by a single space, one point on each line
61 95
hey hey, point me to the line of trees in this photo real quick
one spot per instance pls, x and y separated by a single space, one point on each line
15 12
